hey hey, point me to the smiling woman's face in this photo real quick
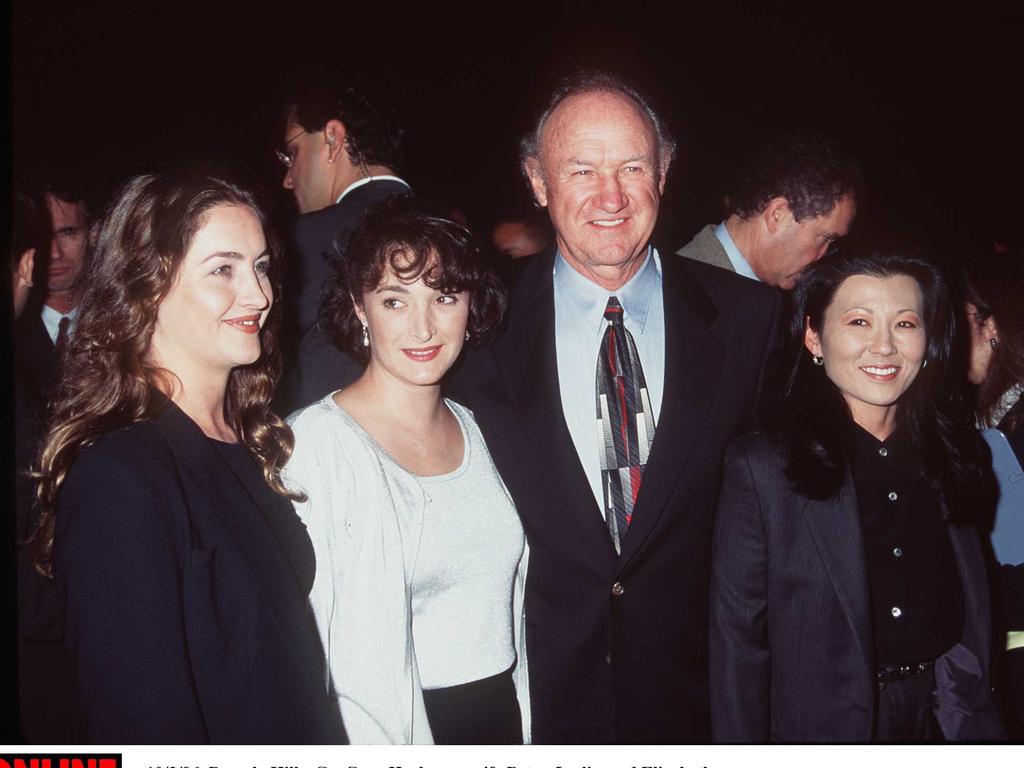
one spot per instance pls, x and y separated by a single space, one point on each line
873 342
416 332
210 320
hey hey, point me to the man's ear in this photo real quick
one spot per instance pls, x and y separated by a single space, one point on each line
536 176
663 175
775 214
26 263
811 338
334 136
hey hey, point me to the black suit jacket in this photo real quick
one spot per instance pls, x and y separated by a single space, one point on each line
617 645
791 638
315 366
35 355
185 592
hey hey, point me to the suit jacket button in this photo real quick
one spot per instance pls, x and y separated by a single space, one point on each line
607 658
617 589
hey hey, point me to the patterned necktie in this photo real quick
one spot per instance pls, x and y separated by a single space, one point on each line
625 422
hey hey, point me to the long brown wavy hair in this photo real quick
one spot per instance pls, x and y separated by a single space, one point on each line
107 380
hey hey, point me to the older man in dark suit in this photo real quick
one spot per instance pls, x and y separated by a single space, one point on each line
606 404
341 151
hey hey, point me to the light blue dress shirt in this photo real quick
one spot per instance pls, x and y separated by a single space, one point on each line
740 264
579 328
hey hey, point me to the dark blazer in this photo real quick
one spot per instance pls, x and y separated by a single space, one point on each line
791 637
617 645
315 366
185 586
35 355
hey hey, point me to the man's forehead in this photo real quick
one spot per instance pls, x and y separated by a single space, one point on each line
593 114
65 211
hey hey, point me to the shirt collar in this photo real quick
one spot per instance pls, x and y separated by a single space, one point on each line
367 180
589 299
740 264
51 320
1006 402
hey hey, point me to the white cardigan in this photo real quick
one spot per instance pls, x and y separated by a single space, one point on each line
365 516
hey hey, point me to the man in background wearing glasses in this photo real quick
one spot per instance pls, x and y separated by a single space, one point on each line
341 152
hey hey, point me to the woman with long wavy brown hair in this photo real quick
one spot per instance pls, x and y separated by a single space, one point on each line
182 568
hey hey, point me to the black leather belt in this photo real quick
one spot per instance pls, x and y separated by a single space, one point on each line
892 674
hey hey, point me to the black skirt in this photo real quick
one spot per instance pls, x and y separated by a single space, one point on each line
481 712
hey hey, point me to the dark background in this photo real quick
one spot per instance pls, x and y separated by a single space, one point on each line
931 100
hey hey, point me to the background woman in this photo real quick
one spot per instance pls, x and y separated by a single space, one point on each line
995 317
847 592
183 568
420 554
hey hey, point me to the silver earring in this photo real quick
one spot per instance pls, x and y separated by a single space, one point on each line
366 337
817 359
993 342
467 335
924 364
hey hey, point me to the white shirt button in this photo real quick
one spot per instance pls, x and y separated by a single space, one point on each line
896 611
893 496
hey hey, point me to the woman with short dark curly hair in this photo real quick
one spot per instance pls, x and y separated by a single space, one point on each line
182 567
421 557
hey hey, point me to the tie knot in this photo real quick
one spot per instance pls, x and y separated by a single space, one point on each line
613 312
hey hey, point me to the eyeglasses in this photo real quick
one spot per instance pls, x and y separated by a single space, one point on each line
287 156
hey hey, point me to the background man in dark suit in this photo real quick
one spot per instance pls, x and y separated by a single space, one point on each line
44 223
341 151
619 527
795 196
38 330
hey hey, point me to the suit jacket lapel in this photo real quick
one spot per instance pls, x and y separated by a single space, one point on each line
693 363
526 359
836 529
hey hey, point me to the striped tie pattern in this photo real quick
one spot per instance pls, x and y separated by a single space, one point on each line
625 422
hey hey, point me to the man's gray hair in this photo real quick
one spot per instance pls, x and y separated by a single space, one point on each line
598 82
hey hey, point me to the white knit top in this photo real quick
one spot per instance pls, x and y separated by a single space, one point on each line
419 581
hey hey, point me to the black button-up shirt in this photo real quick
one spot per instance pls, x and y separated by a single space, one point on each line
916 595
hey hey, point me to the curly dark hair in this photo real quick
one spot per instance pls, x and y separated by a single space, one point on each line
414 238
995 285
373 134
107 380
932 415
595 81
811 171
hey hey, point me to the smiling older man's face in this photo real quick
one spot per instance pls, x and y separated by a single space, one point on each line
601 179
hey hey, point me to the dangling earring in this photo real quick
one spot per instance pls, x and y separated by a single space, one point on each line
993 342
925 363
467 335
366 336
817 359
